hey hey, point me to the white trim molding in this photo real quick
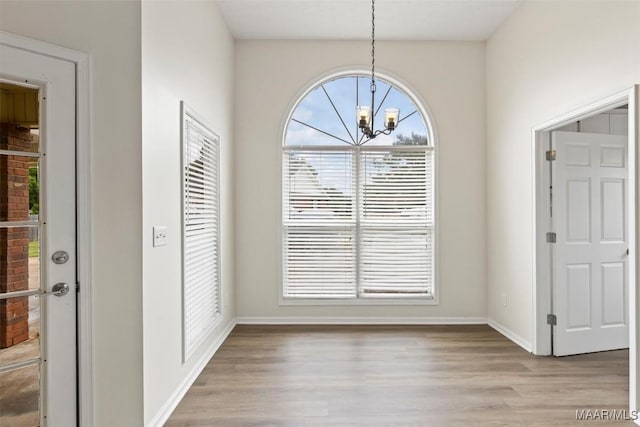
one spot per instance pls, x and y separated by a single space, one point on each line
308 320
172 402
525 344
634 259
82 63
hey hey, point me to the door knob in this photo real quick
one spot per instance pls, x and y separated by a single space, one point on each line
59 289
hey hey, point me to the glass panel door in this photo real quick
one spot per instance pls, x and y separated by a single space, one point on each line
20 287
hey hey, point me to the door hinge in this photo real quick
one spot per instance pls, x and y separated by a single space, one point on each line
550 155
552 319
551 237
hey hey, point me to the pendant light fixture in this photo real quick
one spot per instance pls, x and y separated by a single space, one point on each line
366 113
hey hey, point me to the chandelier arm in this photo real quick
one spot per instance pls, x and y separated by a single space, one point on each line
382 132
372 135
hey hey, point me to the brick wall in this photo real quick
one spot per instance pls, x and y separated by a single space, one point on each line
14 242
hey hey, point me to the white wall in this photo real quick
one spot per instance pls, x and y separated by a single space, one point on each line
187 54
547 59
110 33
449 76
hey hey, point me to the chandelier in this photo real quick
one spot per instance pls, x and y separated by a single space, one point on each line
366 113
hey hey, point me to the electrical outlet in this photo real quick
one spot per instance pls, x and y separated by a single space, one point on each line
503 299
159 235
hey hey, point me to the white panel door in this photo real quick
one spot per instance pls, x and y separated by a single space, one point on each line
590 279
52 360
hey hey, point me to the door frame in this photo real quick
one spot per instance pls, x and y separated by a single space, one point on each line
542 251
83 209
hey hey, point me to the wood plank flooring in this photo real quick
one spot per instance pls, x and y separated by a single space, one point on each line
397 376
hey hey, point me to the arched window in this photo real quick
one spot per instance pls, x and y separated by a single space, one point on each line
357 213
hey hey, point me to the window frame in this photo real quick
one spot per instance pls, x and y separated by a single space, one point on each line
422 109
188 115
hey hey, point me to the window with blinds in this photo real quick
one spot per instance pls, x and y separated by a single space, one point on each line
200 228
319 224
358 211
395 227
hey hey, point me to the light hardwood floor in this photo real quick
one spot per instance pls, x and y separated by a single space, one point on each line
397 376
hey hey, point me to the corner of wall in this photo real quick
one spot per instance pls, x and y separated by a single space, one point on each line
207 86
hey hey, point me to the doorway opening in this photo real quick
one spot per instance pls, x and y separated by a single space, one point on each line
615 114
584 211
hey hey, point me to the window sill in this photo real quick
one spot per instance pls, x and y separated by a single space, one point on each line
360 301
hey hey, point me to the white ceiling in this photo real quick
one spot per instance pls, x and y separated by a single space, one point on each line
351 19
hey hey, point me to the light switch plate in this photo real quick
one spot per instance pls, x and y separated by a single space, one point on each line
159 235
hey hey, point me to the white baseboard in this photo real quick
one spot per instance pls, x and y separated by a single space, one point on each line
170 405
361 320
511 335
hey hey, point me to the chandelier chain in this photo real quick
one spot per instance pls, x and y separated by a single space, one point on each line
373 42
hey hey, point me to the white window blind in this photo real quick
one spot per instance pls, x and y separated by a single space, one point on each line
358 222
396 223
201 274
319 230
